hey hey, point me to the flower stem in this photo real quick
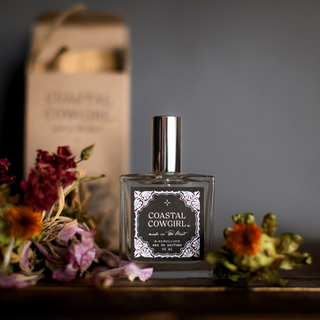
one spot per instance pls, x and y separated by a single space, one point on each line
8 255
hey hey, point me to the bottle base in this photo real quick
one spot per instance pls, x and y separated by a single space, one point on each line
177 270
181 274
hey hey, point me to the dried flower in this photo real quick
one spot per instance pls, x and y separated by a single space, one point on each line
23 222
41 189
4 169
62 160
255 253
51 232
244 239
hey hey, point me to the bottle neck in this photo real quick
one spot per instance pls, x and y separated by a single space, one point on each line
166 146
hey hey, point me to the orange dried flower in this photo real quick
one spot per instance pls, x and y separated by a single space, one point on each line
23 222
244 239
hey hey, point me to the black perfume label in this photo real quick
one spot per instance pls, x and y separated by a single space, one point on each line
167 223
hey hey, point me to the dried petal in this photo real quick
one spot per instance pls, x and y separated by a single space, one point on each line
19 280
56 261
133 271
65 275
99 279
86 234
130 270
25 264
83 253
67 232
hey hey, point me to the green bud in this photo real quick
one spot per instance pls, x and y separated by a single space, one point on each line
269 224
245 218
226 231
87 152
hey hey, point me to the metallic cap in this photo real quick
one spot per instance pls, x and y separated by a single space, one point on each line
166 145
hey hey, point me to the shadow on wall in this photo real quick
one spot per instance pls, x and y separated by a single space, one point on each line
12 129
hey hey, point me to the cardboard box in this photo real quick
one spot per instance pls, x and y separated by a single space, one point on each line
77 94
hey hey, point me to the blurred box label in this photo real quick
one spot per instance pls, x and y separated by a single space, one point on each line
77 94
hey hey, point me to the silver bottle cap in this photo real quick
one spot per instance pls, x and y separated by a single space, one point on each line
166 145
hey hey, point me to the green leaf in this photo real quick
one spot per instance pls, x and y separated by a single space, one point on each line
4 193
269 224
296 259
4 240
14 199
287 243
266 275
219 258
233 276
85 179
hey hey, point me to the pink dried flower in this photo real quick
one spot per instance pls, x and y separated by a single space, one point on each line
79 255
4 169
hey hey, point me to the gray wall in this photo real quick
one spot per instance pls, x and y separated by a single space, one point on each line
243 75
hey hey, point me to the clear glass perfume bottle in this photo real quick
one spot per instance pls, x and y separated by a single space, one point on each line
166 217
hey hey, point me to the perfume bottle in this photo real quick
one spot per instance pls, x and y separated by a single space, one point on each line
166 217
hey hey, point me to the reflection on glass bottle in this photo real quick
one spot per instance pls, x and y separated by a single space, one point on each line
166 217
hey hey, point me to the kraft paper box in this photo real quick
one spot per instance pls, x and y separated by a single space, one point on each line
77 94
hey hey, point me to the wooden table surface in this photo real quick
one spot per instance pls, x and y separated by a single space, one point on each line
171 299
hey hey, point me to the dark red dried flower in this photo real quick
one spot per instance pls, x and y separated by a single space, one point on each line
4 169
43 158
62 160
67 177
41 189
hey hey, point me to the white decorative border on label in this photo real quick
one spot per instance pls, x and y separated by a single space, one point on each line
191 248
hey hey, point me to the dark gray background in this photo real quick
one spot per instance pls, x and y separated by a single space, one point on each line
243 75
